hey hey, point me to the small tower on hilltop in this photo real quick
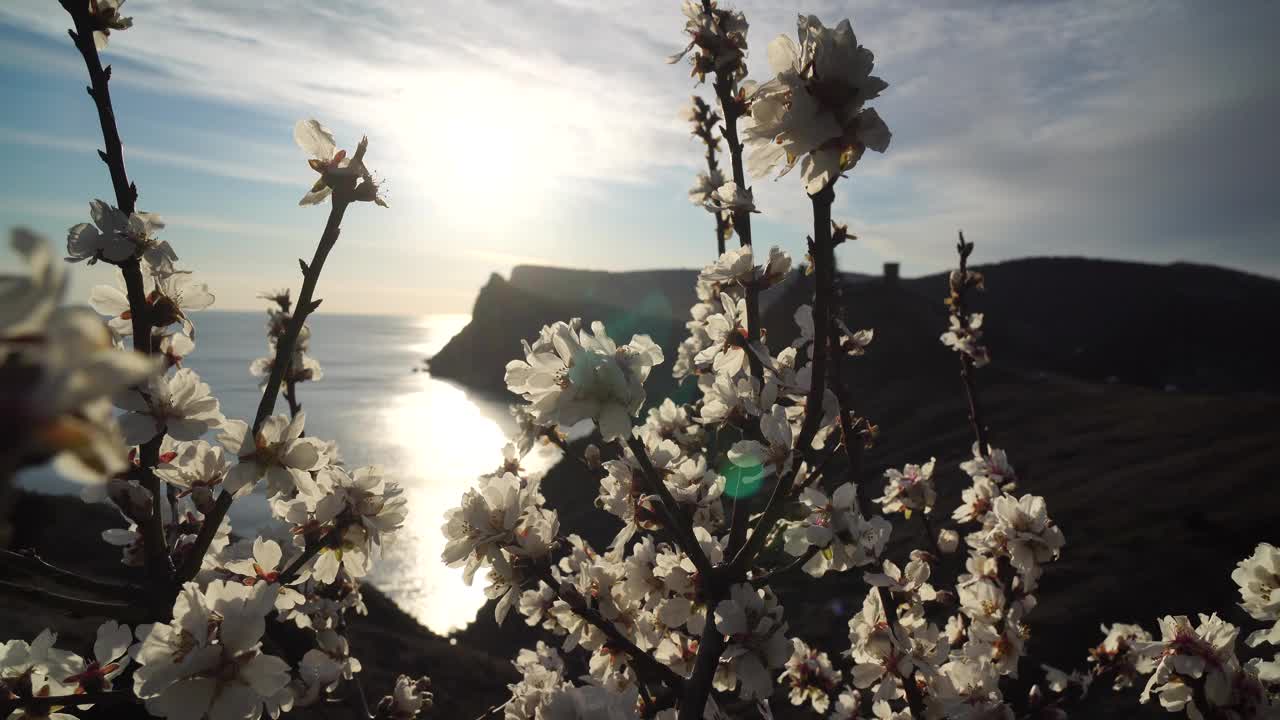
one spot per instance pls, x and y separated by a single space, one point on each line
891 273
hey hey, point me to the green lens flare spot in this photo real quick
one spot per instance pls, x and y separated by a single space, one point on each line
742 482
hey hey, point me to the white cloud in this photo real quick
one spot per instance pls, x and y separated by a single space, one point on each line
1039 128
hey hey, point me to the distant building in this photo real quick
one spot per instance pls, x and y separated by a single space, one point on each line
891 273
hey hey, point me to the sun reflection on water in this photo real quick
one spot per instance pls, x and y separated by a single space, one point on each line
445 442
439 441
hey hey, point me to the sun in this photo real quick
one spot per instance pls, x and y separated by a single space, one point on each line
476 147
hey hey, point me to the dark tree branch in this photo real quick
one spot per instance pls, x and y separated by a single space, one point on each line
823 262
159 568
28 562
959 309
284 352
43 704
78 607
766 578
681 528
313 548
641 660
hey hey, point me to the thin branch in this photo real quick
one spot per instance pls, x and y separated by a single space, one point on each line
823 261
493 709
158 565
43 704
643 661
30 563
291 397
959 309
284 352
914 699
852 442
766 578
312 549
76 606
672 516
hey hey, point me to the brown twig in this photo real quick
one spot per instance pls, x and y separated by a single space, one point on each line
76 606
680 527
823 260
311 550
284 352
960 310
157 554
43 704
766 578
31 563
643 661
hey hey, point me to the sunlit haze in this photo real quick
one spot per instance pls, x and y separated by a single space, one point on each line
551 132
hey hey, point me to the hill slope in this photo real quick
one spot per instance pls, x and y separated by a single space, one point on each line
1134 475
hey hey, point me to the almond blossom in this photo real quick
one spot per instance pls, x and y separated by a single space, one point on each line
810 676
704 185
755 635
115 237
737 266
110 657
1259 579
1187 655
844 538
37 668
718 40
175 295
966 339
265 566
61 369
486 522
180 405
813 110
334 167
731 198
1024 530
773 457
727 353
570 374
910 489
198 469
105 16
277 453
208 661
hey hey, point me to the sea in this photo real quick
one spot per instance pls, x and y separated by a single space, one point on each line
381 404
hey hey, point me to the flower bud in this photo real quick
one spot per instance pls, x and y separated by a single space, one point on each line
591 455
948 540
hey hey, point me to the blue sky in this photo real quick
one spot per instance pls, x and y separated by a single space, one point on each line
549 131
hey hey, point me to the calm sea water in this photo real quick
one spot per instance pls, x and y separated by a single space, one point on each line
430 435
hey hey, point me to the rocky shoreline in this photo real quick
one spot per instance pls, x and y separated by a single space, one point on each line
67 532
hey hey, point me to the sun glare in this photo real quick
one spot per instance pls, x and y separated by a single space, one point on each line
473 157
446 443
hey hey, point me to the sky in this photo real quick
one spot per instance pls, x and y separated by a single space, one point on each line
551 132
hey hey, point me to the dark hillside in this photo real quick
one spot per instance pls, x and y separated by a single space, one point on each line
1192 327
1134 475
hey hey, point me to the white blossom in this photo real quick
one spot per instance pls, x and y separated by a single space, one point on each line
61 369
570 374
198 469
208 661
755 636
277 453
813 110
809 676
105 17
967 340
731 198
180 405
333 165
910 489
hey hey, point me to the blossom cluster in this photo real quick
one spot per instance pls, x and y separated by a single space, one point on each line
108 397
